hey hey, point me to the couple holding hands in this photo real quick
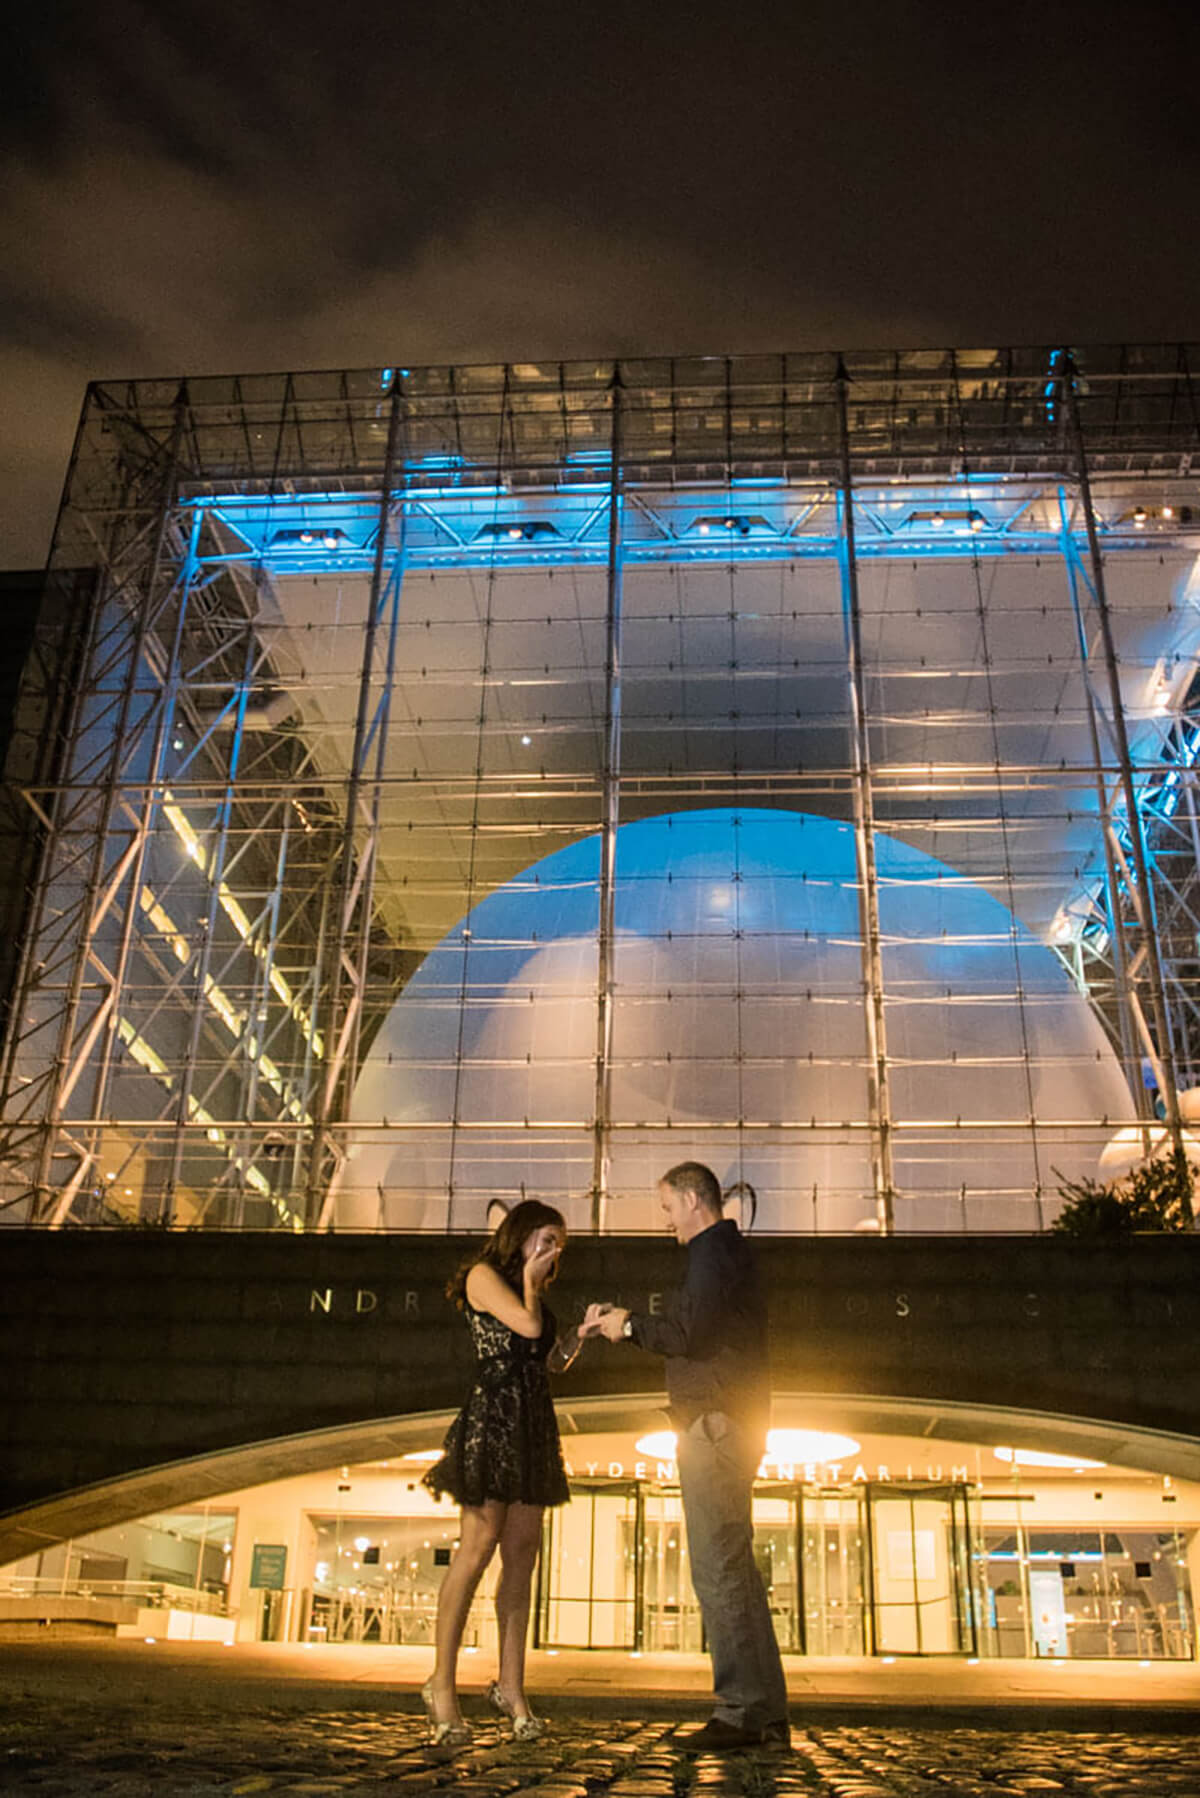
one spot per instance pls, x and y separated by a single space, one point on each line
502 1462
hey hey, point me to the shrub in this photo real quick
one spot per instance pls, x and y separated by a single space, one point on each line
1156 1195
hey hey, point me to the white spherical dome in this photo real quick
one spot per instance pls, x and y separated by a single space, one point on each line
738 995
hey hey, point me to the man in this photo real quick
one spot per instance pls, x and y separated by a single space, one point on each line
714 1339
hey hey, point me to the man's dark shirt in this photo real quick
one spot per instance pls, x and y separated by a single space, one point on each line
713 1334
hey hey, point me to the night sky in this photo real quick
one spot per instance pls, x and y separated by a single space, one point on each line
235 187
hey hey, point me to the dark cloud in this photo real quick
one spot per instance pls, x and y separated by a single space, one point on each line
241 186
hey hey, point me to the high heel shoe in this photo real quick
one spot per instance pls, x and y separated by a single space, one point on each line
443 1735
525 1729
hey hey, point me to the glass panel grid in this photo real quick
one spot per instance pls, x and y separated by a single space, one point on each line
493 781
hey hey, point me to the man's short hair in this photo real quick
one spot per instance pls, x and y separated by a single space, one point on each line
693 1176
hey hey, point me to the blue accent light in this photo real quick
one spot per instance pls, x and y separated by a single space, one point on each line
452 522
1050 390
435 464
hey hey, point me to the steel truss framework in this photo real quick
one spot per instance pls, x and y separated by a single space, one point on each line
250 843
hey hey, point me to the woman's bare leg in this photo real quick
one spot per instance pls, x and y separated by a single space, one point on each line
520 1539
480 1529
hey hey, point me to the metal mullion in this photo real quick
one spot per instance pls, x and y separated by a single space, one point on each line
348 418
364 889
312 990
878 1090
1002 808
610 822
800 1620
341 1029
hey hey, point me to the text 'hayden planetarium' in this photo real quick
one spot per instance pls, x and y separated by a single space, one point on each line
477 782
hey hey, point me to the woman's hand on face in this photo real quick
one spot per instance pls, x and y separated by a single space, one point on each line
542 1264
542 1251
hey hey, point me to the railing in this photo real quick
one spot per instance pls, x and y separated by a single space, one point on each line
150 1594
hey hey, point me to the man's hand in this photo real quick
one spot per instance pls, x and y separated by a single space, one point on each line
604 1320
591 1319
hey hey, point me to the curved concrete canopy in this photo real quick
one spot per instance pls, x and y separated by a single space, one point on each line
929 1424
738 996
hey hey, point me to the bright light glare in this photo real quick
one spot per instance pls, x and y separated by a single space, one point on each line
808 1445
659 1443
1038 1457
782 1445
428 1455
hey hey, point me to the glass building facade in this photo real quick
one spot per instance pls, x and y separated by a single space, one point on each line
465 782
954 1551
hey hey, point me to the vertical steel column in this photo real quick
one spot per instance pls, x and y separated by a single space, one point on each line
878 1093
356 872
346 1066
1126 1021
610 819
981 612
309 1072
213 866
150 805
68 1056
258 1011
504 423
1141 893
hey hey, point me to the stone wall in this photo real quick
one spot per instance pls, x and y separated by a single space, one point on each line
126 1352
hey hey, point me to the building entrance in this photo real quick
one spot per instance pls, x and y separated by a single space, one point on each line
1045 1560
848 1570
919 1543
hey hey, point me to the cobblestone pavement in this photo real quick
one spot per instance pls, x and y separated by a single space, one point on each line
133 1749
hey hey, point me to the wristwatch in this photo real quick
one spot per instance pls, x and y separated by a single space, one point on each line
627 1329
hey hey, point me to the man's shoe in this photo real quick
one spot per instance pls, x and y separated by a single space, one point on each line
719 1737
777 1735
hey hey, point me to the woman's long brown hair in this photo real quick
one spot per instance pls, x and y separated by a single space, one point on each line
504 1248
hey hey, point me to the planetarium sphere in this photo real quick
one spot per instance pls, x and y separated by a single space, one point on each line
737 1037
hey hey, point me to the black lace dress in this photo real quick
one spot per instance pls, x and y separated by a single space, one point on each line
504 1442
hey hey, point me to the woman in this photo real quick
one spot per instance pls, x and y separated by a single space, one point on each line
501 1459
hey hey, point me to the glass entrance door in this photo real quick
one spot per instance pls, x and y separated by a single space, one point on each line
833 1562
670 1613
589 1570
920 1557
